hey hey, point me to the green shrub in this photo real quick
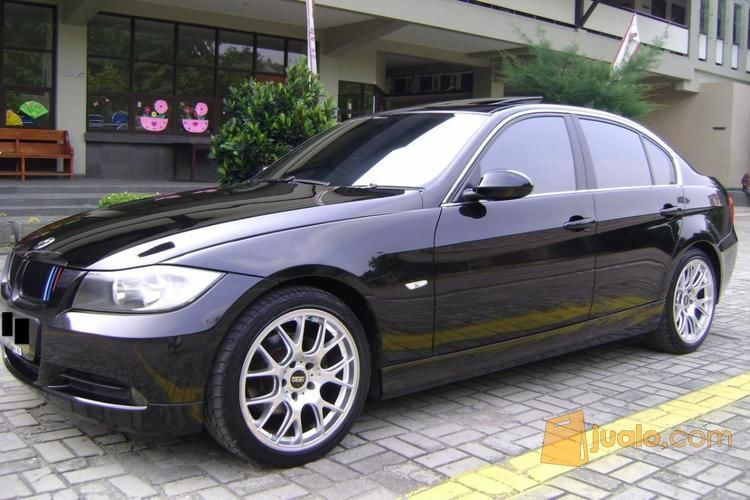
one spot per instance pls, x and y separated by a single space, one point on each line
265 120
567 77
117 198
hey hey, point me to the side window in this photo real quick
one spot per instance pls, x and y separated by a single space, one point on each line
662 168
539 148
618 155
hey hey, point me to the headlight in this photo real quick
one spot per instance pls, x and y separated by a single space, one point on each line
144 289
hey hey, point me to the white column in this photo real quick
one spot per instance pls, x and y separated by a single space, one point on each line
71 89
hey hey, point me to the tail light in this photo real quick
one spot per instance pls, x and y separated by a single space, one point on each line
731 208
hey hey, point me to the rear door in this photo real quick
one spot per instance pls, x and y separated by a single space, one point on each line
506 269
638 212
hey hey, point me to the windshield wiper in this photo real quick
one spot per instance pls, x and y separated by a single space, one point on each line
291 178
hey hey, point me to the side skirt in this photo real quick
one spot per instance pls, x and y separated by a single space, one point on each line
430 372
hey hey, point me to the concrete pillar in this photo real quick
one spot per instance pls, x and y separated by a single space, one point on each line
711 41
71 89
485 83
694 29
743 31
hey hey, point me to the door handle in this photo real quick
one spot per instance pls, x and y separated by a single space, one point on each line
578 223
670 211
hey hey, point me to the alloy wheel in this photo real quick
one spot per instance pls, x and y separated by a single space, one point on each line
299 380
693 301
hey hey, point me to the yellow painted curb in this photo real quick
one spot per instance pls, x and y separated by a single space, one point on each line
526 471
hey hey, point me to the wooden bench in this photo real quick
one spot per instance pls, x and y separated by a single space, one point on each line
23 143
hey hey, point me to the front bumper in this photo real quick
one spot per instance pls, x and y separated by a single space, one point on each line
141 373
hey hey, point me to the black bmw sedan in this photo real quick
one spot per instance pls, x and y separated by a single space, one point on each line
389 254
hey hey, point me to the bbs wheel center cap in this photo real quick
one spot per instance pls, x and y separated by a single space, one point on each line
298 379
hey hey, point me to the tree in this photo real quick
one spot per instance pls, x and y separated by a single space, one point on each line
567 77
265 120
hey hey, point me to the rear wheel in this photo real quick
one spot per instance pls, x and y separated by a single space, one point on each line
290 378
690 305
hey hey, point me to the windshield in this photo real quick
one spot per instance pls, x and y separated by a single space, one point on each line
398 150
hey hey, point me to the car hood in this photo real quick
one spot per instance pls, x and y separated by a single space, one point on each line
149 231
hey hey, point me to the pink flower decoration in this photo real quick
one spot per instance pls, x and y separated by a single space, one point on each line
161 106
201 109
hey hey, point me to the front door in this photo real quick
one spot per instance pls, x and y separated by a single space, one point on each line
506 269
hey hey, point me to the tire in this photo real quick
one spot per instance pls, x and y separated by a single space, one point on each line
289 378
690 306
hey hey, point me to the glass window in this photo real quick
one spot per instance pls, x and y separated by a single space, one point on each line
152 77
108 74
27 83
236 50
196 46
107 112
618 155
662 169
551 168
720 19
736 21
19 100
397 150
704 17
296 50
28 26
133 62
195 81
109 36
32 69
154 41
229 79
270 55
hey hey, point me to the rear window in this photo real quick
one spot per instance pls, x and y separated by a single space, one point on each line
617 153
662 168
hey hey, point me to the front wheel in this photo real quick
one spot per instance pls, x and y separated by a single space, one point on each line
689 308
290 377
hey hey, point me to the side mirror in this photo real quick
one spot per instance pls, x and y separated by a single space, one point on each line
500 185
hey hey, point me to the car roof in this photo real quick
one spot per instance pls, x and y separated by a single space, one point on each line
486 105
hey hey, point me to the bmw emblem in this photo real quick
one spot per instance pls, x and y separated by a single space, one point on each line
44 243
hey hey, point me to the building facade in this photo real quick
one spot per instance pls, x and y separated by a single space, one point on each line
139 83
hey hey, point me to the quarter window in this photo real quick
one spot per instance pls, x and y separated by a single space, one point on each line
618 155
662 169
540 149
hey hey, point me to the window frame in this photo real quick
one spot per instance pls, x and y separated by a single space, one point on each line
52 89
215 98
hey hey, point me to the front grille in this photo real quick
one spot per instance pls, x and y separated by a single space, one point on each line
38 280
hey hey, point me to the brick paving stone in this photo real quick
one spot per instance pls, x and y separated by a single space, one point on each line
634 472
719 475
608 464
355 454
10 441
442 457
579 488
188 485
281 493
94 473
83 446
43 480
53 451
132 486
12 486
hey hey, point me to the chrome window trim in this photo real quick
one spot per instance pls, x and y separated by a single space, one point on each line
586 113
560 193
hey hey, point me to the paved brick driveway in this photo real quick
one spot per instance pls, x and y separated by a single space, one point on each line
421 440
